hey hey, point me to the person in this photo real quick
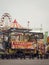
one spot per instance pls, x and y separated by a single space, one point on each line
41 49
47 51
35 47
5 42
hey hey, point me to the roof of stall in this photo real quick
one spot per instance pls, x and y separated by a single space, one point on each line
19 30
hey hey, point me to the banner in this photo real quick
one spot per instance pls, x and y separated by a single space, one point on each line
22 45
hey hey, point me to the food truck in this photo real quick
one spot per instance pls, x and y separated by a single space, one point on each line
20 43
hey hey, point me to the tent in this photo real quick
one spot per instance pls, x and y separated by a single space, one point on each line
15 24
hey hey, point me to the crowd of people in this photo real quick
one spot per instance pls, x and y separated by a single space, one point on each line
41 49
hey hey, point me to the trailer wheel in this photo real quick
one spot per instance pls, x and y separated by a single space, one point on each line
20 54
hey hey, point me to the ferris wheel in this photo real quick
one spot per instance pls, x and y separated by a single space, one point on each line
6 15
6 20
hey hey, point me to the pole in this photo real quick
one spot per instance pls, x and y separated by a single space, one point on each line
28 24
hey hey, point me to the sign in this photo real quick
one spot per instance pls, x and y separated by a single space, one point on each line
45 37
22 45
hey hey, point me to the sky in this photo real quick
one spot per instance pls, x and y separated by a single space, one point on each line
35 11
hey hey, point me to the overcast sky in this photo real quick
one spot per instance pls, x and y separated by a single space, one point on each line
35 11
